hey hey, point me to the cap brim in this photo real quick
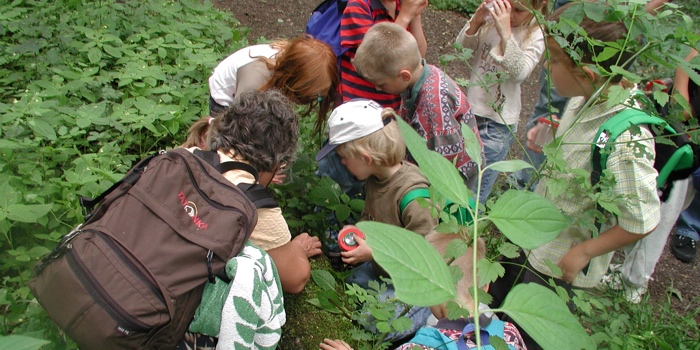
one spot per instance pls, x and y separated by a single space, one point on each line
328 148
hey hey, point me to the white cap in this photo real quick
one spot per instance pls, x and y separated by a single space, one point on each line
350 121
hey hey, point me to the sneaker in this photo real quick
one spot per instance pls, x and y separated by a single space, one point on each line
683 248
634 294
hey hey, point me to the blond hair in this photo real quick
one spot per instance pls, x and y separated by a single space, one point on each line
386 49
385 146
464 262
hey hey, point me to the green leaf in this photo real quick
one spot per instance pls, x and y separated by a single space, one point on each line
323 279
510 166
456 248
441 173
489 271
498 343
527 219
660 97
608 52
595 11
509 250
94 55
417 270
27 212
43 129
544 316
20 342
471 144
627 74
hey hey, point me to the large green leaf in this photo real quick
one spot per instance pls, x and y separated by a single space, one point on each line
27 212
441 173
472 144
510 166
545 317
419 273
20 342
527 219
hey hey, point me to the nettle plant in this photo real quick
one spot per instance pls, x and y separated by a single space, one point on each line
527 219
86 89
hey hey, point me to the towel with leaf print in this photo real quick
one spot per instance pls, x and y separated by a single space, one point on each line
248 313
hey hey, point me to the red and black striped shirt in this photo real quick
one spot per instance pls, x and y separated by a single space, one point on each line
358 17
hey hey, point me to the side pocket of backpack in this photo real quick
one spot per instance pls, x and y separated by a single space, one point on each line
97 299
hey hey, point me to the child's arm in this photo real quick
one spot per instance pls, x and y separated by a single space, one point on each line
581 254
474 24
410 17
519 59
680 83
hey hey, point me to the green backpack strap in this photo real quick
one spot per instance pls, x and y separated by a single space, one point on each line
462 215
411 195
612 128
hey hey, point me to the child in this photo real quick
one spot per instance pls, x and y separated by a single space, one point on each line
358 17
431 102
370 145
583 258
446 334
303 69
510 42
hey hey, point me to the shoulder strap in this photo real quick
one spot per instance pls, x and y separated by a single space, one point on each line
255 192
411 195
611 129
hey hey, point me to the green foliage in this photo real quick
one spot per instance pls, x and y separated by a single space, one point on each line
19 342
87 88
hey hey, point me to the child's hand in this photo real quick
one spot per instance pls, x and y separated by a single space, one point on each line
479 17
501 17
573 262
310 244
414 7
329 344
358 255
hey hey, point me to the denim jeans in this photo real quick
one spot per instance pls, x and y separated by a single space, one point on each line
362 275
688 223
330 166
497 139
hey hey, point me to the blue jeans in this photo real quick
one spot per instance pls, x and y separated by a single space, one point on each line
362 275
497 139
330 166
688 223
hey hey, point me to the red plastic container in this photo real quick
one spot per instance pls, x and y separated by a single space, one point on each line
346 238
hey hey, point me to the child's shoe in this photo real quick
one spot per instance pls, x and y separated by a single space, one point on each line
683 248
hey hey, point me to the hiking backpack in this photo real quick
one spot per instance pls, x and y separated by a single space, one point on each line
672 161
324 24
132 275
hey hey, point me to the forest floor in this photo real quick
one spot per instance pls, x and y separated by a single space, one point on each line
285 19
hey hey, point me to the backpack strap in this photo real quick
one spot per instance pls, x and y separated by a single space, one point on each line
410 196
462 215
255 192
134 175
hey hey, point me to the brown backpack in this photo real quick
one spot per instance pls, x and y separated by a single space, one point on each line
132 275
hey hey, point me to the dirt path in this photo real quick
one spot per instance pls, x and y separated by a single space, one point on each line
284 19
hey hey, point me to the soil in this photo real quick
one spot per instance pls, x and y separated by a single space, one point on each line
674 280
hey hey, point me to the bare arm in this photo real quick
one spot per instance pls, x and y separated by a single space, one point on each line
292 261
581 254
681 81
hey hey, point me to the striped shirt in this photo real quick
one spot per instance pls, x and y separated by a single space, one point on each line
358 17
635 178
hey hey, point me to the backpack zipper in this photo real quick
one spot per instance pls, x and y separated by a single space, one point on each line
102 298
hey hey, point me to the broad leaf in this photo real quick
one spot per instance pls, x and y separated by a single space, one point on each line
20 342
489 271
471 144
27 212
441 173
527 219
323 279
543 315
510 166
419 273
